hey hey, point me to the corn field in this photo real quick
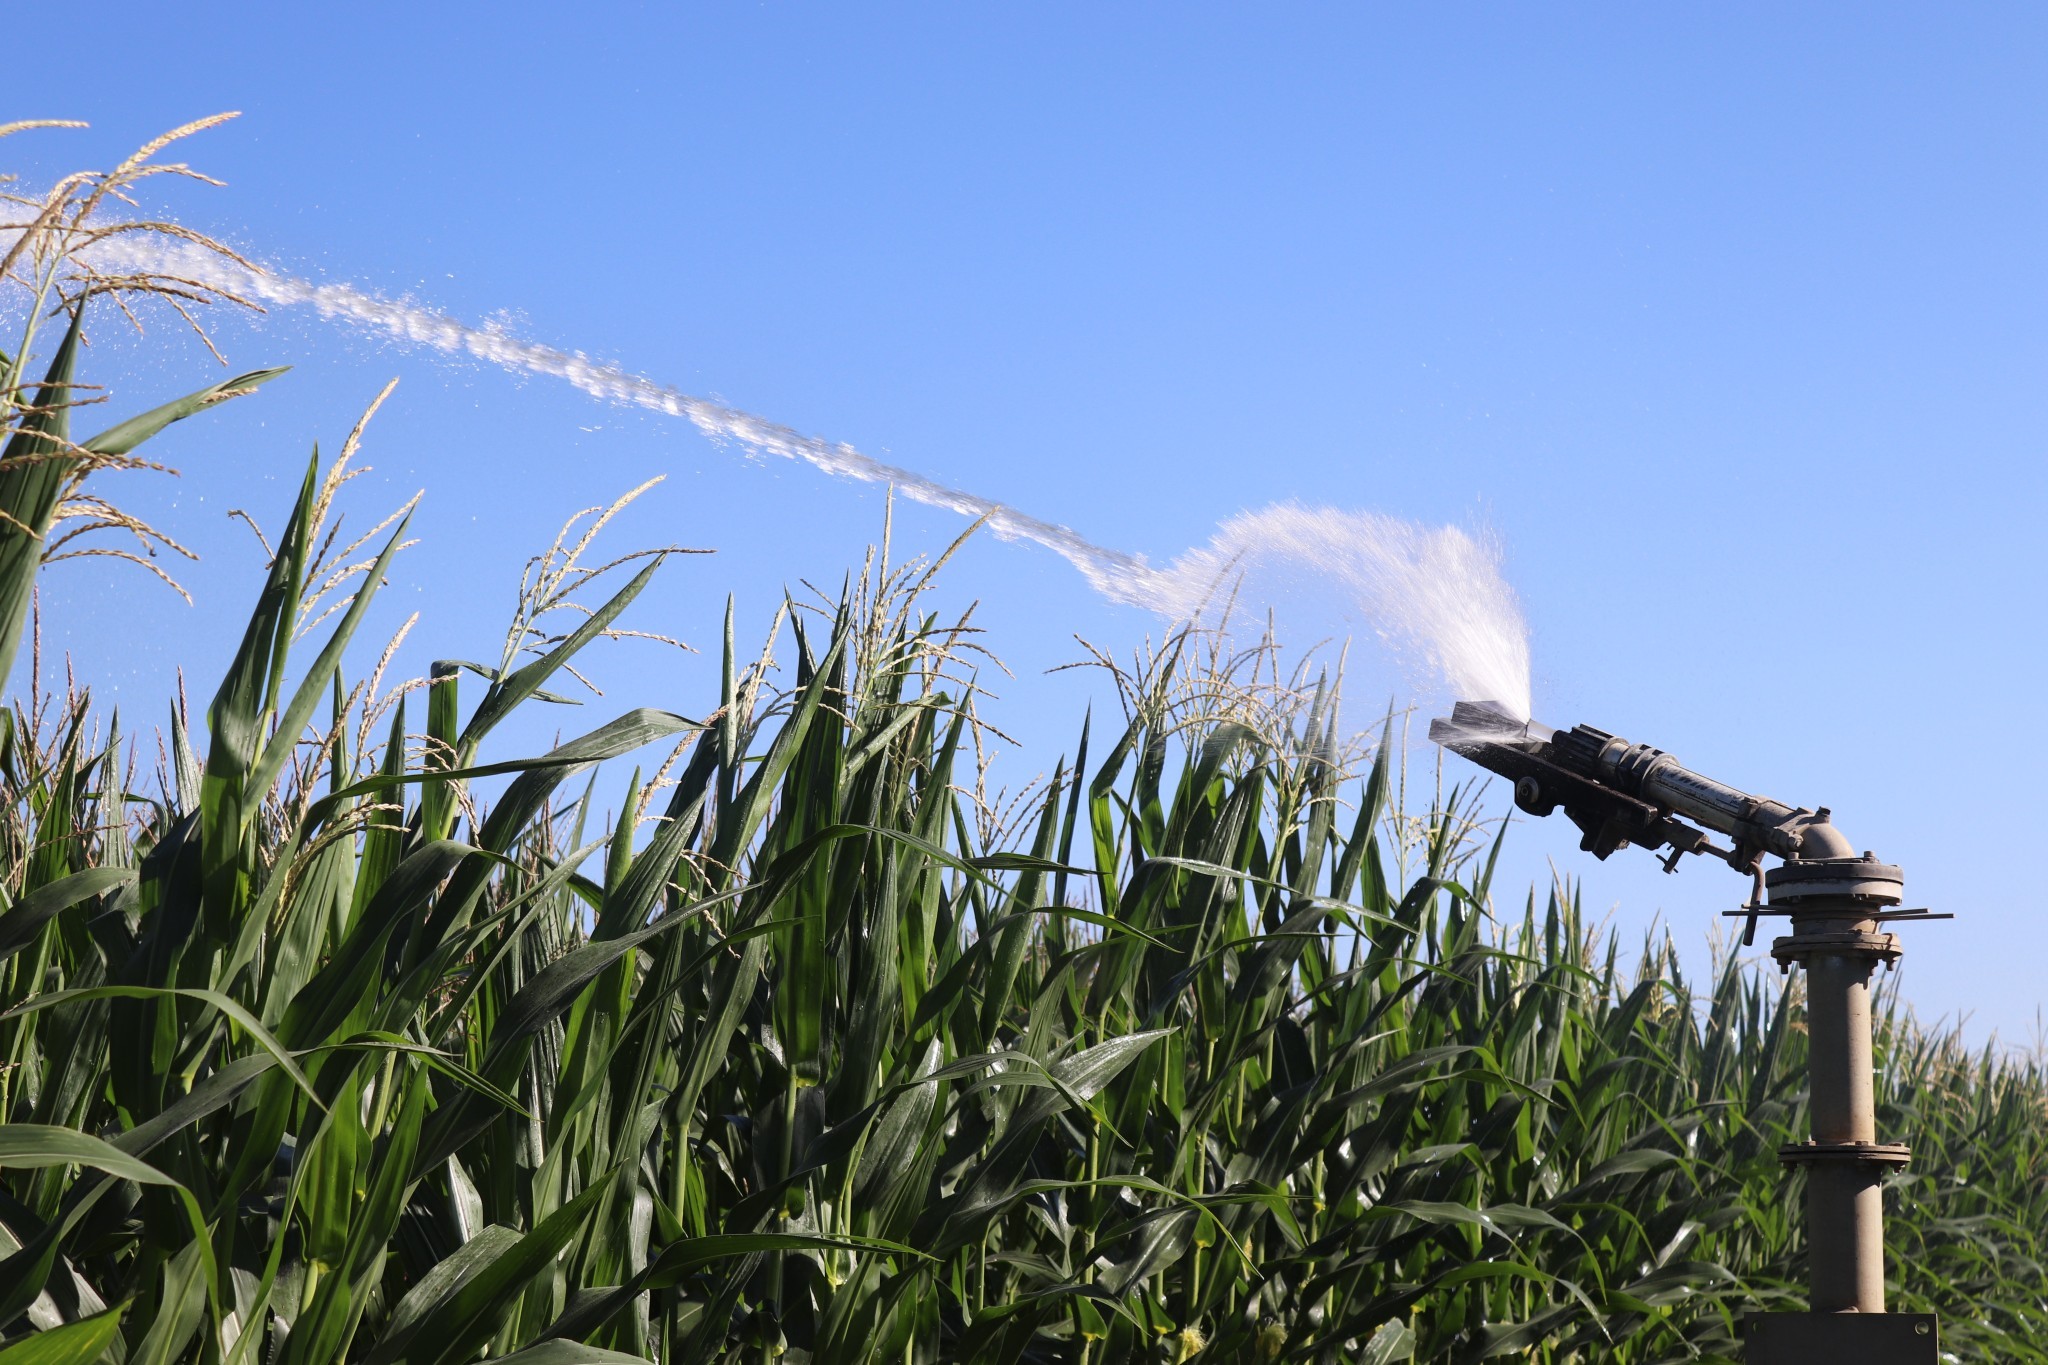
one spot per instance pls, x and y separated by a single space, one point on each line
332 1032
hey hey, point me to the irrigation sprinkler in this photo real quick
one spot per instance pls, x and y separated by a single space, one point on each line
1840 905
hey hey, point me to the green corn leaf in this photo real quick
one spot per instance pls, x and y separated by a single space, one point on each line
437 799
680 1258
431 1294
75 1343
264 770
22 921
558 1352
472 1309
323 1330
33 467
29 1145
179 1309
506 694
125 436
242 1018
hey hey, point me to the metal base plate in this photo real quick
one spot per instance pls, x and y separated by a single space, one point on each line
1841 1339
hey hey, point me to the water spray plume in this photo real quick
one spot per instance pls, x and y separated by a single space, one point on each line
1434 596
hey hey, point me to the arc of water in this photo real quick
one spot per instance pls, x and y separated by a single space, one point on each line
1436 596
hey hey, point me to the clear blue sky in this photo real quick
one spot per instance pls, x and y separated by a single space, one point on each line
1729 319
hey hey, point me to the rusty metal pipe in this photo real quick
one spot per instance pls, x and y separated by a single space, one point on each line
1838 939
1845 1238
1844 1208
1838 1030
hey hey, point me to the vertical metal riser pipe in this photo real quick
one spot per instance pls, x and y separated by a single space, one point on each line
1845 1237
1838 1031
1844 1208
1838 939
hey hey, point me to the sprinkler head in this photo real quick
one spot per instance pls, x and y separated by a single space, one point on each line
1619 793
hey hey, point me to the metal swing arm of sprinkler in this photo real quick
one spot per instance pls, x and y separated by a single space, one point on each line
1618 794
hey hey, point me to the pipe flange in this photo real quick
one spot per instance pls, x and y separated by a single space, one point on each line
1870 1153
1799 947
1864 881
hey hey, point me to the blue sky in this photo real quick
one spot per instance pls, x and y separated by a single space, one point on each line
1728 320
